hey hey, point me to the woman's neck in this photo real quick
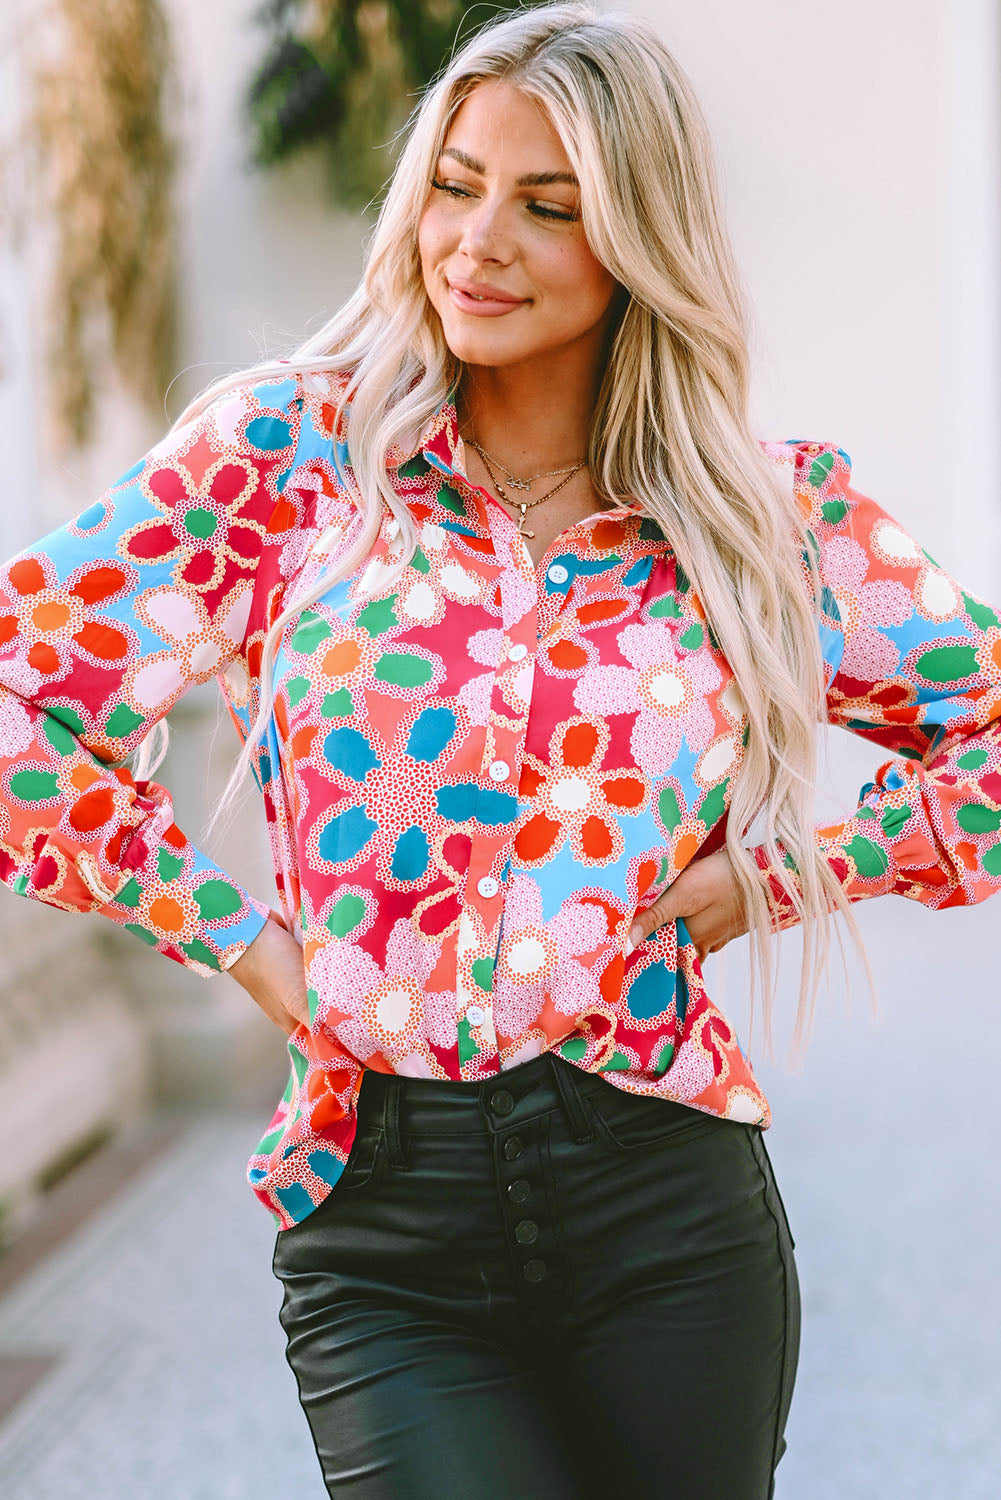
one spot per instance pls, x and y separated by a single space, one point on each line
543 522
526 424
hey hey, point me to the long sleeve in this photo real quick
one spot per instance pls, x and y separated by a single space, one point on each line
104 624
914 665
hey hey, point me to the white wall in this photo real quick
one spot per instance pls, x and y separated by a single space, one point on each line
266 256
859 146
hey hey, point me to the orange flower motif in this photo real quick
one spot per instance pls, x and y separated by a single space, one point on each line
54 615
573 798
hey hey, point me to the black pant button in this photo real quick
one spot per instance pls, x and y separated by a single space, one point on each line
526 1231
518 1190
534 1270
513 1147
502 1101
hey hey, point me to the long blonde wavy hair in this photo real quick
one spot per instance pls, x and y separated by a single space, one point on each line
670 428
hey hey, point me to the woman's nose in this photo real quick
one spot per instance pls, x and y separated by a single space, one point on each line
485 226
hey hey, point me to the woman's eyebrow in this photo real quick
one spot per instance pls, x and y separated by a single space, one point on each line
530 179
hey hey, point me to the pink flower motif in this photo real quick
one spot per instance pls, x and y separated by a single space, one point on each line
669 689
475 695
16 728
540 960
485 647
387 1008
691 1072
868 655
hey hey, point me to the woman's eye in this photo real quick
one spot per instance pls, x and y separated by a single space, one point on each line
449 187
538 209
549 213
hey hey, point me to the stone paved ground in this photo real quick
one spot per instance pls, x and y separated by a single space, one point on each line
172 1382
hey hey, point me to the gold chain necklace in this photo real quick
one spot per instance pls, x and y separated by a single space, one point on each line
517 484
525 505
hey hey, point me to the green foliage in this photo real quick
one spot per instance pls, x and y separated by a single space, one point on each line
342 77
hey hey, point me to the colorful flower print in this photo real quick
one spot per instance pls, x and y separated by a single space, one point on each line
475 771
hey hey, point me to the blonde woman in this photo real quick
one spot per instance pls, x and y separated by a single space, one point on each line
521 626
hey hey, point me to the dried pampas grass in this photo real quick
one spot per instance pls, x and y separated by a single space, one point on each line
105 173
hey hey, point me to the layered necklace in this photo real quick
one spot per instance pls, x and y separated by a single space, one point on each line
523 484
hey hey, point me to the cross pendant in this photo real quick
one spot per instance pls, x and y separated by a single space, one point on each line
521 523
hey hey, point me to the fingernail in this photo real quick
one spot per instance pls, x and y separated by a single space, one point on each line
631 941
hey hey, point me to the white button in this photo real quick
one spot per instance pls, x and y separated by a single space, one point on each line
476 1015
558 573
518 652
487 886
500 770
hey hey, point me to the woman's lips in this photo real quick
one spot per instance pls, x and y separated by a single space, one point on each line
489 307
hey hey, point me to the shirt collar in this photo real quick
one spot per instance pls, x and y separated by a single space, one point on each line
441 444
439 440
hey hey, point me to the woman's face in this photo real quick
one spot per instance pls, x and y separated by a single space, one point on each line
525 239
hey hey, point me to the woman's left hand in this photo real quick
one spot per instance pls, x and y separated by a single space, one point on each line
706 894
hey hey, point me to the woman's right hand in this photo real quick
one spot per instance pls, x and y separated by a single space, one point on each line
272 971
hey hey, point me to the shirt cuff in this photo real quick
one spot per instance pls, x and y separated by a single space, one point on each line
859 865
183 905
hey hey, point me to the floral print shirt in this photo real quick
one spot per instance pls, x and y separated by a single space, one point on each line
475 774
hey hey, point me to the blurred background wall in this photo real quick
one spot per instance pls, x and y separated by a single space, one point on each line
859 149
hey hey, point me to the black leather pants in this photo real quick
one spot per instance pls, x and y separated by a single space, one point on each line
542 1288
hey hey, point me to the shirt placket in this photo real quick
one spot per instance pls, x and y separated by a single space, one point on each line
511 699
481 920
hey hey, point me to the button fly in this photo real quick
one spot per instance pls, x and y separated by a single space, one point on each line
526 1231
502 1102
